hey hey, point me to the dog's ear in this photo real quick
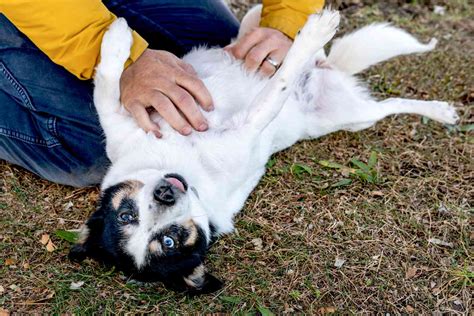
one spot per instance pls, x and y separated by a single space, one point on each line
201 282
90 231
78 253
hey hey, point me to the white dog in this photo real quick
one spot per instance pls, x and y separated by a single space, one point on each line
164 199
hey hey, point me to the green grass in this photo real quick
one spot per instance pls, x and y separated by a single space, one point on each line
372 198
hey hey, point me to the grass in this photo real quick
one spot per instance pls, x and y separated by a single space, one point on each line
305 214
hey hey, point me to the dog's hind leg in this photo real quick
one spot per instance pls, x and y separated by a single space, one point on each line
315 34
439 111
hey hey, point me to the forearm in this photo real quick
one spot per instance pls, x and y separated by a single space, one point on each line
69 32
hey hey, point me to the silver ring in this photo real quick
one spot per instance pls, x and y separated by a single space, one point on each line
272 62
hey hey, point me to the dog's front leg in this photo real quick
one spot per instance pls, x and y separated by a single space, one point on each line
315 34
115 122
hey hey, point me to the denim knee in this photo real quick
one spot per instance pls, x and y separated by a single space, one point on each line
178 26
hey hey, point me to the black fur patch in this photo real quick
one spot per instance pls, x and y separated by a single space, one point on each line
104 244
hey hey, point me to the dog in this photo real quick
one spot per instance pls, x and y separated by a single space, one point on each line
163 201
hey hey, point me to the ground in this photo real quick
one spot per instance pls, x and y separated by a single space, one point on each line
314 237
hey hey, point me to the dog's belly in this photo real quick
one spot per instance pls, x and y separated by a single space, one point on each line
232 88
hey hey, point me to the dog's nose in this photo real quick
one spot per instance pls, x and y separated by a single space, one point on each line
164 194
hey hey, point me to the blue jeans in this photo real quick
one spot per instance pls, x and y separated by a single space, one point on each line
48 123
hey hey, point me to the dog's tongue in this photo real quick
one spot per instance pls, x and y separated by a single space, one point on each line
176 183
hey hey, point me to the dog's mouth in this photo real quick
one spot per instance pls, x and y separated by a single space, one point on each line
177 181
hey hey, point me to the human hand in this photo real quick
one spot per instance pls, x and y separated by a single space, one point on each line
258 45
158 80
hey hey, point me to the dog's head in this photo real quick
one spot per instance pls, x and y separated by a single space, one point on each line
153 228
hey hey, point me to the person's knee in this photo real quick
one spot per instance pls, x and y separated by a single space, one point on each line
76 174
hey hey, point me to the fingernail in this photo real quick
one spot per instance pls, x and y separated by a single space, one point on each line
157 134
210 107
186 131
203 127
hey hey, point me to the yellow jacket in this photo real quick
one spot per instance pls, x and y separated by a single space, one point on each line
70 31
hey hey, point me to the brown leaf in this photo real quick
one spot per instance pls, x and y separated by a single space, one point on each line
44 239
377 193
4 312
409 309
9 261
50 247
327 310
26 265
411 272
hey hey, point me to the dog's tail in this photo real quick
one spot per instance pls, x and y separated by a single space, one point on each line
372 44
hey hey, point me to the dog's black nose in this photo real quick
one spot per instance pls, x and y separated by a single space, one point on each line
164 194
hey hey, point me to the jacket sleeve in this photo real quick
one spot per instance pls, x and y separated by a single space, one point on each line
68 31
288 16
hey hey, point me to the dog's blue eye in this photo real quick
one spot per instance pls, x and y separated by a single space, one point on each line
126 217
168 242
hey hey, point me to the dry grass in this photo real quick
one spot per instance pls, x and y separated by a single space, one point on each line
381 230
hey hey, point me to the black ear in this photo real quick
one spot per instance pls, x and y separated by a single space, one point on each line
90 231
201 282
78 253
211 285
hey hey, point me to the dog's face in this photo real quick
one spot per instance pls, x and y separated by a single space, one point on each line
154 228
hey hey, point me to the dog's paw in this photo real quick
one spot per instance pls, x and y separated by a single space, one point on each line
445 113
320 28
116 44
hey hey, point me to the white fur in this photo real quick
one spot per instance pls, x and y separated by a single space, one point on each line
254 117
373 44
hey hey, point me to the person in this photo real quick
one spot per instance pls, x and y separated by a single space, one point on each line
49 48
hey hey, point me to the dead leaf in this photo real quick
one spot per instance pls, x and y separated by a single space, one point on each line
339 262
76 285
68 205
439 242
257 242
409 309
327 310
2 289
14 287
44 239
4 312
377 193
9 262
26 265
411 272
50 247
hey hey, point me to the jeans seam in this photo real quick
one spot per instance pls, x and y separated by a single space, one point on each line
52 126
18 87
49 142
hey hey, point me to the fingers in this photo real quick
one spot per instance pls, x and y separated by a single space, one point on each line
197 89
143 120
257 55
188 68
241 48
255 46
267 69
183 101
